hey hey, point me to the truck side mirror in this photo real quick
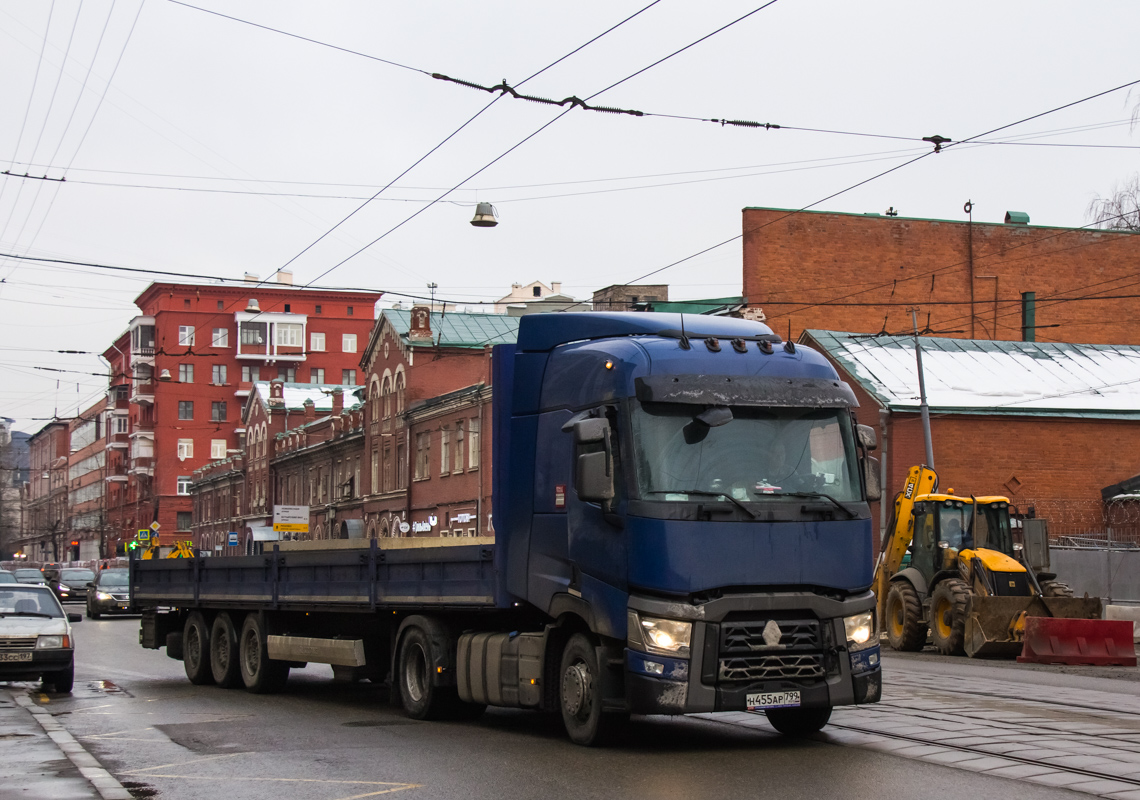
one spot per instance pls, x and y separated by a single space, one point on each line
867 437
871 476
594 477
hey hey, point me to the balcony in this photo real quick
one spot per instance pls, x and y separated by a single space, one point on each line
117 471
142 465
142 391
142 340
144 428
118 441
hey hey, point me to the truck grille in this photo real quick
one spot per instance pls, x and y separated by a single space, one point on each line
748 637
9 643
766 668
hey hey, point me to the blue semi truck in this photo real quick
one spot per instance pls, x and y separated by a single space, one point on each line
681 525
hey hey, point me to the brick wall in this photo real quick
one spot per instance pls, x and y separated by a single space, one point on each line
794 259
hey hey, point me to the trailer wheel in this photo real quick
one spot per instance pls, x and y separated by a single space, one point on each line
224 661
798 721
905 628
260 673
420 696
196 650
580 694
948 616
1056 589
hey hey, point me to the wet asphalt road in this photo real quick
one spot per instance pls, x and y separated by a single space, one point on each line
322 740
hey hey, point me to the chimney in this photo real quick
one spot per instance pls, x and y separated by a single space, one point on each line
556 287
251 277
285 276
338 401
310 409
1016 218
421 325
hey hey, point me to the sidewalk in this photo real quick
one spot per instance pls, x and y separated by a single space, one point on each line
42 761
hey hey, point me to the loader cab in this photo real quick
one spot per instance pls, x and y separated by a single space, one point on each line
992 529
941 530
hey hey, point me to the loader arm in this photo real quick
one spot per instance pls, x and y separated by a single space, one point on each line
919 481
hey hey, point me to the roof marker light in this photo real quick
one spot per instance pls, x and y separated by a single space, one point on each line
609 364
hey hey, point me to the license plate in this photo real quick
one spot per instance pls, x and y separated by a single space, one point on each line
124 605
762 700
15 656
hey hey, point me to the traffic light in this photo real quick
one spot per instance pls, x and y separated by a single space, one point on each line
131 545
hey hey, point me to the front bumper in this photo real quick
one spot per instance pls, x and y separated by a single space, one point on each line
42 662
111 606
656 685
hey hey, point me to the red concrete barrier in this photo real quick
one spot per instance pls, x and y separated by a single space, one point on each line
1098 642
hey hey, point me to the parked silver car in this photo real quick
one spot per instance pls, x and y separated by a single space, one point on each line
35 637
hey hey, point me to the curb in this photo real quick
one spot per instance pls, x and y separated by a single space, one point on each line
105 784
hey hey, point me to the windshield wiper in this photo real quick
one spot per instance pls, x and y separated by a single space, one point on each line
703 493
821 495
26 614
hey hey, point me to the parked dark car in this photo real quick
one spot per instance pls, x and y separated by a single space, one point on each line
35 637
109 593
71 585
30 576
7 577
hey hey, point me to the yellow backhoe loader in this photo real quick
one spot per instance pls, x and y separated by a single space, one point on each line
181 550
965 583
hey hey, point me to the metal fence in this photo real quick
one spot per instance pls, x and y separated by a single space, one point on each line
1085 522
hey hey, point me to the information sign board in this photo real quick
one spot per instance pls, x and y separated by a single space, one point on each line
291 519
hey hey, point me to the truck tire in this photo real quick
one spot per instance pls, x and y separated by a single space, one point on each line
62 680
795 722
948 616
580 694
905 628
1056 589
421 698
225 665
260 673
196 650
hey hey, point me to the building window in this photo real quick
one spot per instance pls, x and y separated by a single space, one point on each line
250 374
288 308
318 309
183 484
221 306
186 335
221 337
348 342
185 448
186 303
350 312
401 473
289 374
217 448
253 333
399 393
120 425
218 376
186 409
185 373
458 446
218 411
184 520
348 377
376 471
423 453
290 334
444 451
317 340
473 443
316 375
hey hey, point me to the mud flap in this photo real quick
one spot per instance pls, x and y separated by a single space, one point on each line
991 622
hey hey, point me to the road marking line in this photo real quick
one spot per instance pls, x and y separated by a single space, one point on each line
393 787
181 763
383 791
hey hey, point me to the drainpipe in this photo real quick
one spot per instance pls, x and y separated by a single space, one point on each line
884 428
923 408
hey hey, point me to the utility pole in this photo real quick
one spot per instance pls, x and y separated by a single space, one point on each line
923 408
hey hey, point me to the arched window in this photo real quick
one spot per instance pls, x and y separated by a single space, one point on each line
386 391
400 392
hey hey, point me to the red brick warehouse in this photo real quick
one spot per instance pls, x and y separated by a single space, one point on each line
980 280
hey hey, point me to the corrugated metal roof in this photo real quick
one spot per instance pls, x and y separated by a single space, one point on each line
975 376
455 329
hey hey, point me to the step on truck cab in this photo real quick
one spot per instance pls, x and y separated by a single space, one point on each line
680 525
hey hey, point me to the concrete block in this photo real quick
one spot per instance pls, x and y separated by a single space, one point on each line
1125 612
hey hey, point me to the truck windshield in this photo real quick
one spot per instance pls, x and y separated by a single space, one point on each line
757 453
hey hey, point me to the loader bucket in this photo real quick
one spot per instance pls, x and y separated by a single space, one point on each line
1099 642
989 621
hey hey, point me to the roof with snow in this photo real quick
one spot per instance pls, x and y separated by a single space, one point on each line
456 329
296 394
975 376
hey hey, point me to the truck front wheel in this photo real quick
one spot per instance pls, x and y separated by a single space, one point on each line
196 650
580 694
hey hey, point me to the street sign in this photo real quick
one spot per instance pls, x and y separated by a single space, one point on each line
291 519
233 538
154 526
144 535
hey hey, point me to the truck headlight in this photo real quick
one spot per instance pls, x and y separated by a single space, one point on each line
52 642
668 637
860 630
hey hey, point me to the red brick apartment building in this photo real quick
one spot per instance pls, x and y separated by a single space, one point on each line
186 364
87 485
407 454
43 499
981 280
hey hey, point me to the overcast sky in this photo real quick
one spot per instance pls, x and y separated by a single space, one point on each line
263 142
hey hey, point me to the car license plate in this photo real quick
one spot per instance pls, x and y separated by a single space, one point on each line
124 605
762 700
15 656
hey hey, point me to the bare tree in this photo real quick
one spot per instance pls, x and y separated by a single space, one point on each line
1120 210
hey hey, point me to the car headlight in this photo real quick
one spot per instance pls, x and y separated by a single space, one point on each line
63 588
860 630
669 637
53 642
103 596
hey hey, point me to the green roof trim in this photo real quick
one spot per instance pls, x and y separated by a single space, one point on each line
705 306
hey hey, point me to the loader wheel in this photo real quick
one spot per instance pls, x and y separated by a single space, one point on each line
948 616
1056 589
905 628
